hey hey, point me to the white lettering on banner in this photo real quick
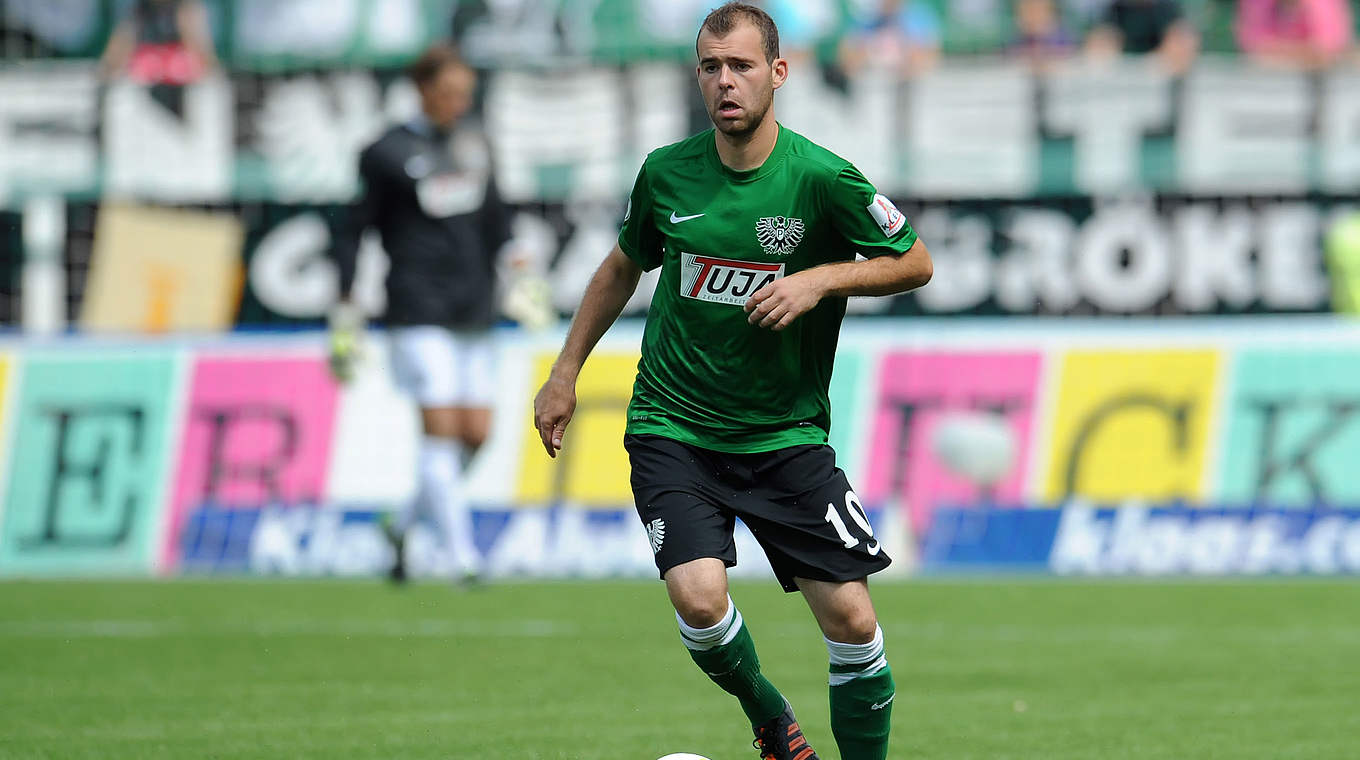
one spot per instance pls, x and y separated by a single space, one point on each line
1125 258
316 542
961 252
862 124
1291 271
540 121
1243 130
152 153
1035 273
305 123
59 157
963 130
1138 542
292 275
657 112
1106 240
729 281
973 132
1214 263
1338 139
536 543
1108 109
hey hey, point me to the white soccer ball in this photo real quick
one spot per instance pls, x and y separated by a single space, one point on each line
975 445
683 756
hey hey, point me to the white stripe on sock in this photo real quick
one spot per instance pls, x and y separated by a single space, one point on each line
855 654
868 655
718 634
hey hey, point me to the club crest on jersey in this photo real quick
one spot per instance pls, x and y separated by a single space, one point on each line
889 219
779 235
707 278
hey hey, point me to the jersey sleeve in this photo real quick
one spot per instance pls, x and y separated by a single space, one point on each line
360 216
869 222
639 239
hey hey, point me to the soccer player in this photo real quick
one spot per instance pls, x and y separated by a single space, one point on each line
429 191
755 229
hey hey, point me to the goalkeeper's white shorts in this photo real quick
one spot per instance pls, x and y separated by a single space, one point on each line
439 367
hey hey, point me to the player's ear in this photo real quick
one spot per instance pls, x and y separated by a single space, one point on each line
780 68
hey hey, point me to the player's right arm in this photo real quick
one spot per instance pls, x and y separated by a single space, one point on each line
346 320
605 297
638 250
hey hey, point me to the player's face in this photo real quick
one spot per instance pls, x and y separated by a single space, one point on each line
737 82
448 96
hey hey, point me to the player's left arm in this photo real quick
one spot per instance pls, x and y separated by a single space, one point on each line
897 260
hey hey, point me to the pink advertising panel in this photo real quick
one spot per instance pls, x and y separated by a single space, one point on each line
256 432
951 429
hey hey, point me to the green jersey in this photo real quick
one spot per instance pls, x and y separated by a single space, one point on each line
707 377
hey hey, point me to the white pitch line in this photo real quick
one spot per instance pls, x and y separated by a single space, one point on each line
140 629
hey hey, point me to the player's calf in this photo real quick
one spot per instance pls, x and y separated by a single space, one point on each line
862 692
727 655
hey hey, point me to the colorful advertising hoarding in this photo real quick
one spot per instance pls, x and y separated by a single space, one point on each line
1149 449
256 431
87 463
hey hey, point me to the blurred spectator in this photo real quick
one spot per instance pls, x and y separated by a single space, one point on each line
1303 34
494 33
1145 27
163 42
802 24
39 28
903 35
1040 37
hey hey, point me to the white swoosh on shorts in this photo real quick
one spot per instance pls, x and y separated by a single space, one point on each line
678 219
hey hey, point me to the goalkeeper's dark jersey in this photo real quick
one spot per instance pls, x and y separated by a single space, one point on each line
706 376
432 198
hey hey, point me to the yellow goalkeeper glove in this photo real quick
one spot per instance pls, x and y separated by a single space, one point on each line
346 346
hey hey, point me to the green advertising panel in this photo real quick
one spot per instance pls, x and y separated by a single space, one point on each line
848 398
87 465
1292 430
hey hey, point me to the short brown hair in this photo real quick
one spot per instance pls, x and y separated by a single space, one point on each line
433 61
723 19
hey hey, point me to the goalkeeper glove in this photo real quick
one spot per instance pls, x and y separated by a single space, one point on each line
345 347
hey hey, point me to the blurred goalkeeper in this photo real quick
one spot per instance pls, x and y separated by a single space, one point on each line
430 193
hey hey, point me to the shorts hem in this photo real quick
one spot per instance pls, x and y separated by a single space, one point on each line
661 571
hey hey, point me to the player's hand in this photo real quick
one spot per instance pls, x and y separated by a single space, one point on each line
345 347
776 305
553 407
344 354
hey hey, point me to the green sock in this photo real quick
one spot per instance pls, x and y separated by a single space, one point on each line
861 716
734 666
862 692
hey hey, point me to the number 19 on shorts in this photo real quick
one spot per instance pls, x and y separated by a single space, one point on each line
857 515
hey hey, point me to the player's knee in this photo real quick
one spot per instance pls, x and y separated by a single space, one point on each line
853 627
473 438
701 610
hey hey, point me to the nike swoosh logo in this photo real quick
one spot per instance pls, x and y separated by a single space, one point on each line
678 219
885 702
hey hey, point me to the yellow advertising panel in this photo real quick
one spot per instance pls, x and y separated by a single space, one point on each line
4 376
1131 425
591 470
163 269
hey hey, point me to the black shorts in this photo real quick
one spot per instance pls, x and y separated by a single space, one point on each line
797 503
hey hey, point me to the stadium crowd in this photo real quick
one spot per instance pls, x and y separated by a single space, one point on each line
140 36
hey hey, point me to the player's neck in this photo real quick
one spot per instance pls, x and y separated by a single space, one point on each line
746 152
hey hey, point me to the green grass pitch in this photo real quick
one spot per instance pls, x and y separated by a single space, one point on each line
986 668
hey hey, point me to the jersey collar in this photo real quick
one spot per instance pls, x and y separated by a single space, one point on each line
776 157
